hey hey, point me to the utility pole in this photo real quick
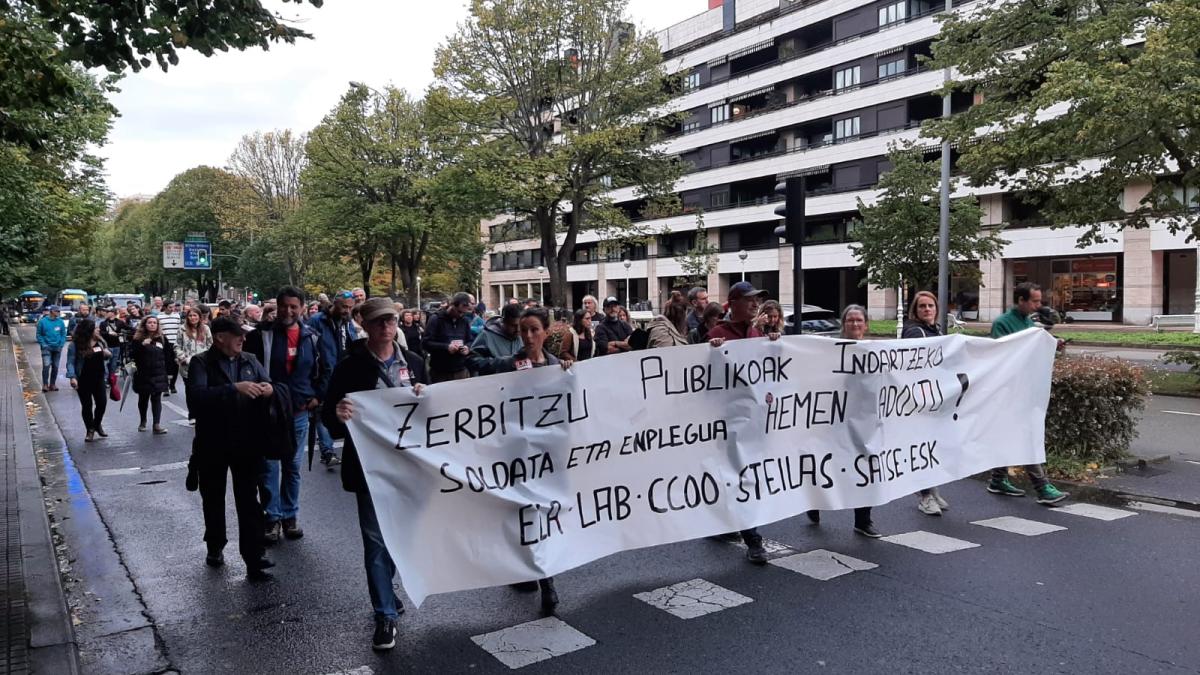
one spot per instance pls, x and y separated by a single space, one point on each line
794 189
943 292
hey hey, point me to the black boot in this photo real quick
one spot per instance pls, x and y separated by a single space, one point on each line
549 595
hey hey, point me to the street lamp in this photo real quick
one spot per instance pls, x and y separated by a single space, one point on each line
541 289
626 263
742 255
418 294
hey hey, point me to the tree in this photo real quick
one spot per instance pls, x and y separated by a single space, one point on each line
561 95
897 236
701 259
271 163
1104 85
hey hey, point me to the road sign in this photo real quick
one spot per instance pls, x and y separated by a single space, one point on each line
197 255
172 255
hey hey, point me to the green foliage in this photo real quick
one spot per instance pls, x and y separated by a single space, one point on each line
897 237
1113 84
562 93
1182 357
1132 339
701 259
1093 406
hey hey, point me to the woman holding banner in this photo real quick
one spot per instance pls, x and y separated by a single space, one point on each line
534 326
923 323
854 327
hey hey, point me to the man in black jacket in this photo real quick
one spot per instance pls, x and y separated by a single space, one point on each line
375 363
225 390
612 334
448 340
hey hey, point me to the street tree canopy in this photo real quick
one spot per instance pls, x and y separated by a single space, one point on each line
1112 86
897 236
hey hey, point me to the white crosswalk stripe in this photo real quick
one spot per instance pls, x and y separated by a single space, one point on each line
929 542
822 565
179 409
692 599
533 641
1029 528
1094 511
1162 508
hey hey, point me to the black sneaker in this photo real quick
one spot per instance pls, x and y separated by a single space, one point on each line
100 430
291 529
868 530
271 533
214 559
192 482
756 554
260 563
385 635
814 517
259 575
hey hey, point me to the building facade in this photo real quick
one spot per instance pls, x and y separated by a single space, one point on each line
774 87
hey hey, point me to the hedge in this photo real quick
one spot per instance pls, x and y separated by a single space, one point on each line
1094 402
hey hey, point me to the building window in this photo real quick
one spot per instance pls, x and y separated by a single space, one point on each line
719 113
847 77
689 127
892 13
692 81
891 68
718 199
846 128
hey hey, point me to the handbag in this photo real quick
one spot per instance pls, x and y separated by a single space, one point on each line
114 392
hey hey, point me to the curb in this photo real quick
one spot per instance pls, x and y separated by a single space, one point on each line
1118 345
1099 494
52 645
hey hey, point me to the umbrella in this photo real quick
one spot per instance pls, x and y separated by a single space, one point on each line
312 436
127 371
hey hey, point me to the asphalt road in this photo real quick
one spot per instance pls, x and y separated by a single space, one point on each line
1115 596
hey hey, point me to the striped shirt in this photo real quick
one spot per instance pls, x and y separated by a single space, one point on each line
169 325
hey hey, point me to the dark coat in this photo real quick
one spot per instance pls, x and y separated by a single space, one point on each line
359 371
310 373
441 332
224 418
916 329
330 342
611 330
151 361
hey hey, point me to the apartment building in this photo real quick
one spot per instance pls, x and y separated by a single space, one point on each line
775 87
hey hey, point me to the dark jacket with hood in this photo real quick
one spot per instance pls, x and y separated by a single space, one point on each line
916 329
491 346
361 371
611 329
310 373
224 418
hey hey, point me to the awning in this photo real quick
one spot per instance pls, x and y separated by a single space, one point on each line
749 94
889 52
751 137
752 48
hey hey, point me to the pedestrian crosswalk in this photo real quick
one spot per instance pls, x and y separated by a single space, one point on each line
547 638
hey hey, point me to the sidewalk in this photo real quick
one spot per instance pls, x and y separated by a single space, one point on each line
38 637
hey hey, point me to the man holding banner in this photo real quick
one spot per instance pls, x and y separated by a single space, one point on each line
375 363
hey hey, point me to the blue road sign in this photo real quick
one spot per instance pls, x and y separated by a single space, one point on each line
197 255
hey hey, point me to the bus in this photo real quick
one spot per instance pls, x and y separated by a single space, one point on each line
69 300
30 305
120 300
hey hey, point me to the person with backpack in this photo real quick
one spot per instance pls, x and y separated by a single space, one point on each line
225 389
290 351
336 332
376 362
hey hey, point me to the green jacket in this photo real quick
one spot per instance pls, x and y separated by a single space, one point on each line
1012 321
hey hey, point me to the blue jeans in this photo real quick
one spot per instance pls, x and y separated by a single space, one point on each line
50 360
114 364
285 490
380 568
324 439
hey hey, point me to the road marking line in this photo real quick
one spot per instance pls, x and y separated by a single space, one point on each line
1191 461
1180 412
692 599
1094 511
182 423
1029 528
533 641
178 409
1159 508
115 472
929 542
822 565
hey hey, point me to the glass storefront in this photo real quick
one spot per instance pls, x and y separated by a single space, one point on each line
1081 289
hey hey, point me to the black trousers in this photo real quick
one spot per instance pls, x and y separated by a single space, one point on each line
245 470
154 402
172 367
93 400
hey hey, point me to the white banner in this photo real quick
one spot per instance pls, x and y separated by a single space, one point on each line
515 477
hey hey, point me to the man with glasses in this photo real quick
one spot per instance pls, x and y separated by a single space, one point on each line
448 339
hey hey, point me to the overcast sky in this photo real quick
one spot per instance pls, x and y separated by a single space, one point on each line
196 113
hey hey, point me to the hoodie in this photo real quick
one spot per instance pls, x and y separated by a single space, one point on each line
491 347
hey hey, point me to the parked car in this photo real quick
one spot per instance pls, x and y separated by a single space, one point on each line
814 321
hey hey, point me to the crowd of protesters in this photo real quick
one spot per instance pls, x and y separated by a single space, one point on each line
275 377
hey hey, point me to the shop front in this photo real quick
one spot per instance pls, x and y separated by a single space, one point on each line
1084 288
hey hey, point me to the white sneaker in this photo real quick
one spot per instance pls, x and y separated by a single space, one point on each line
929 506
945 505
